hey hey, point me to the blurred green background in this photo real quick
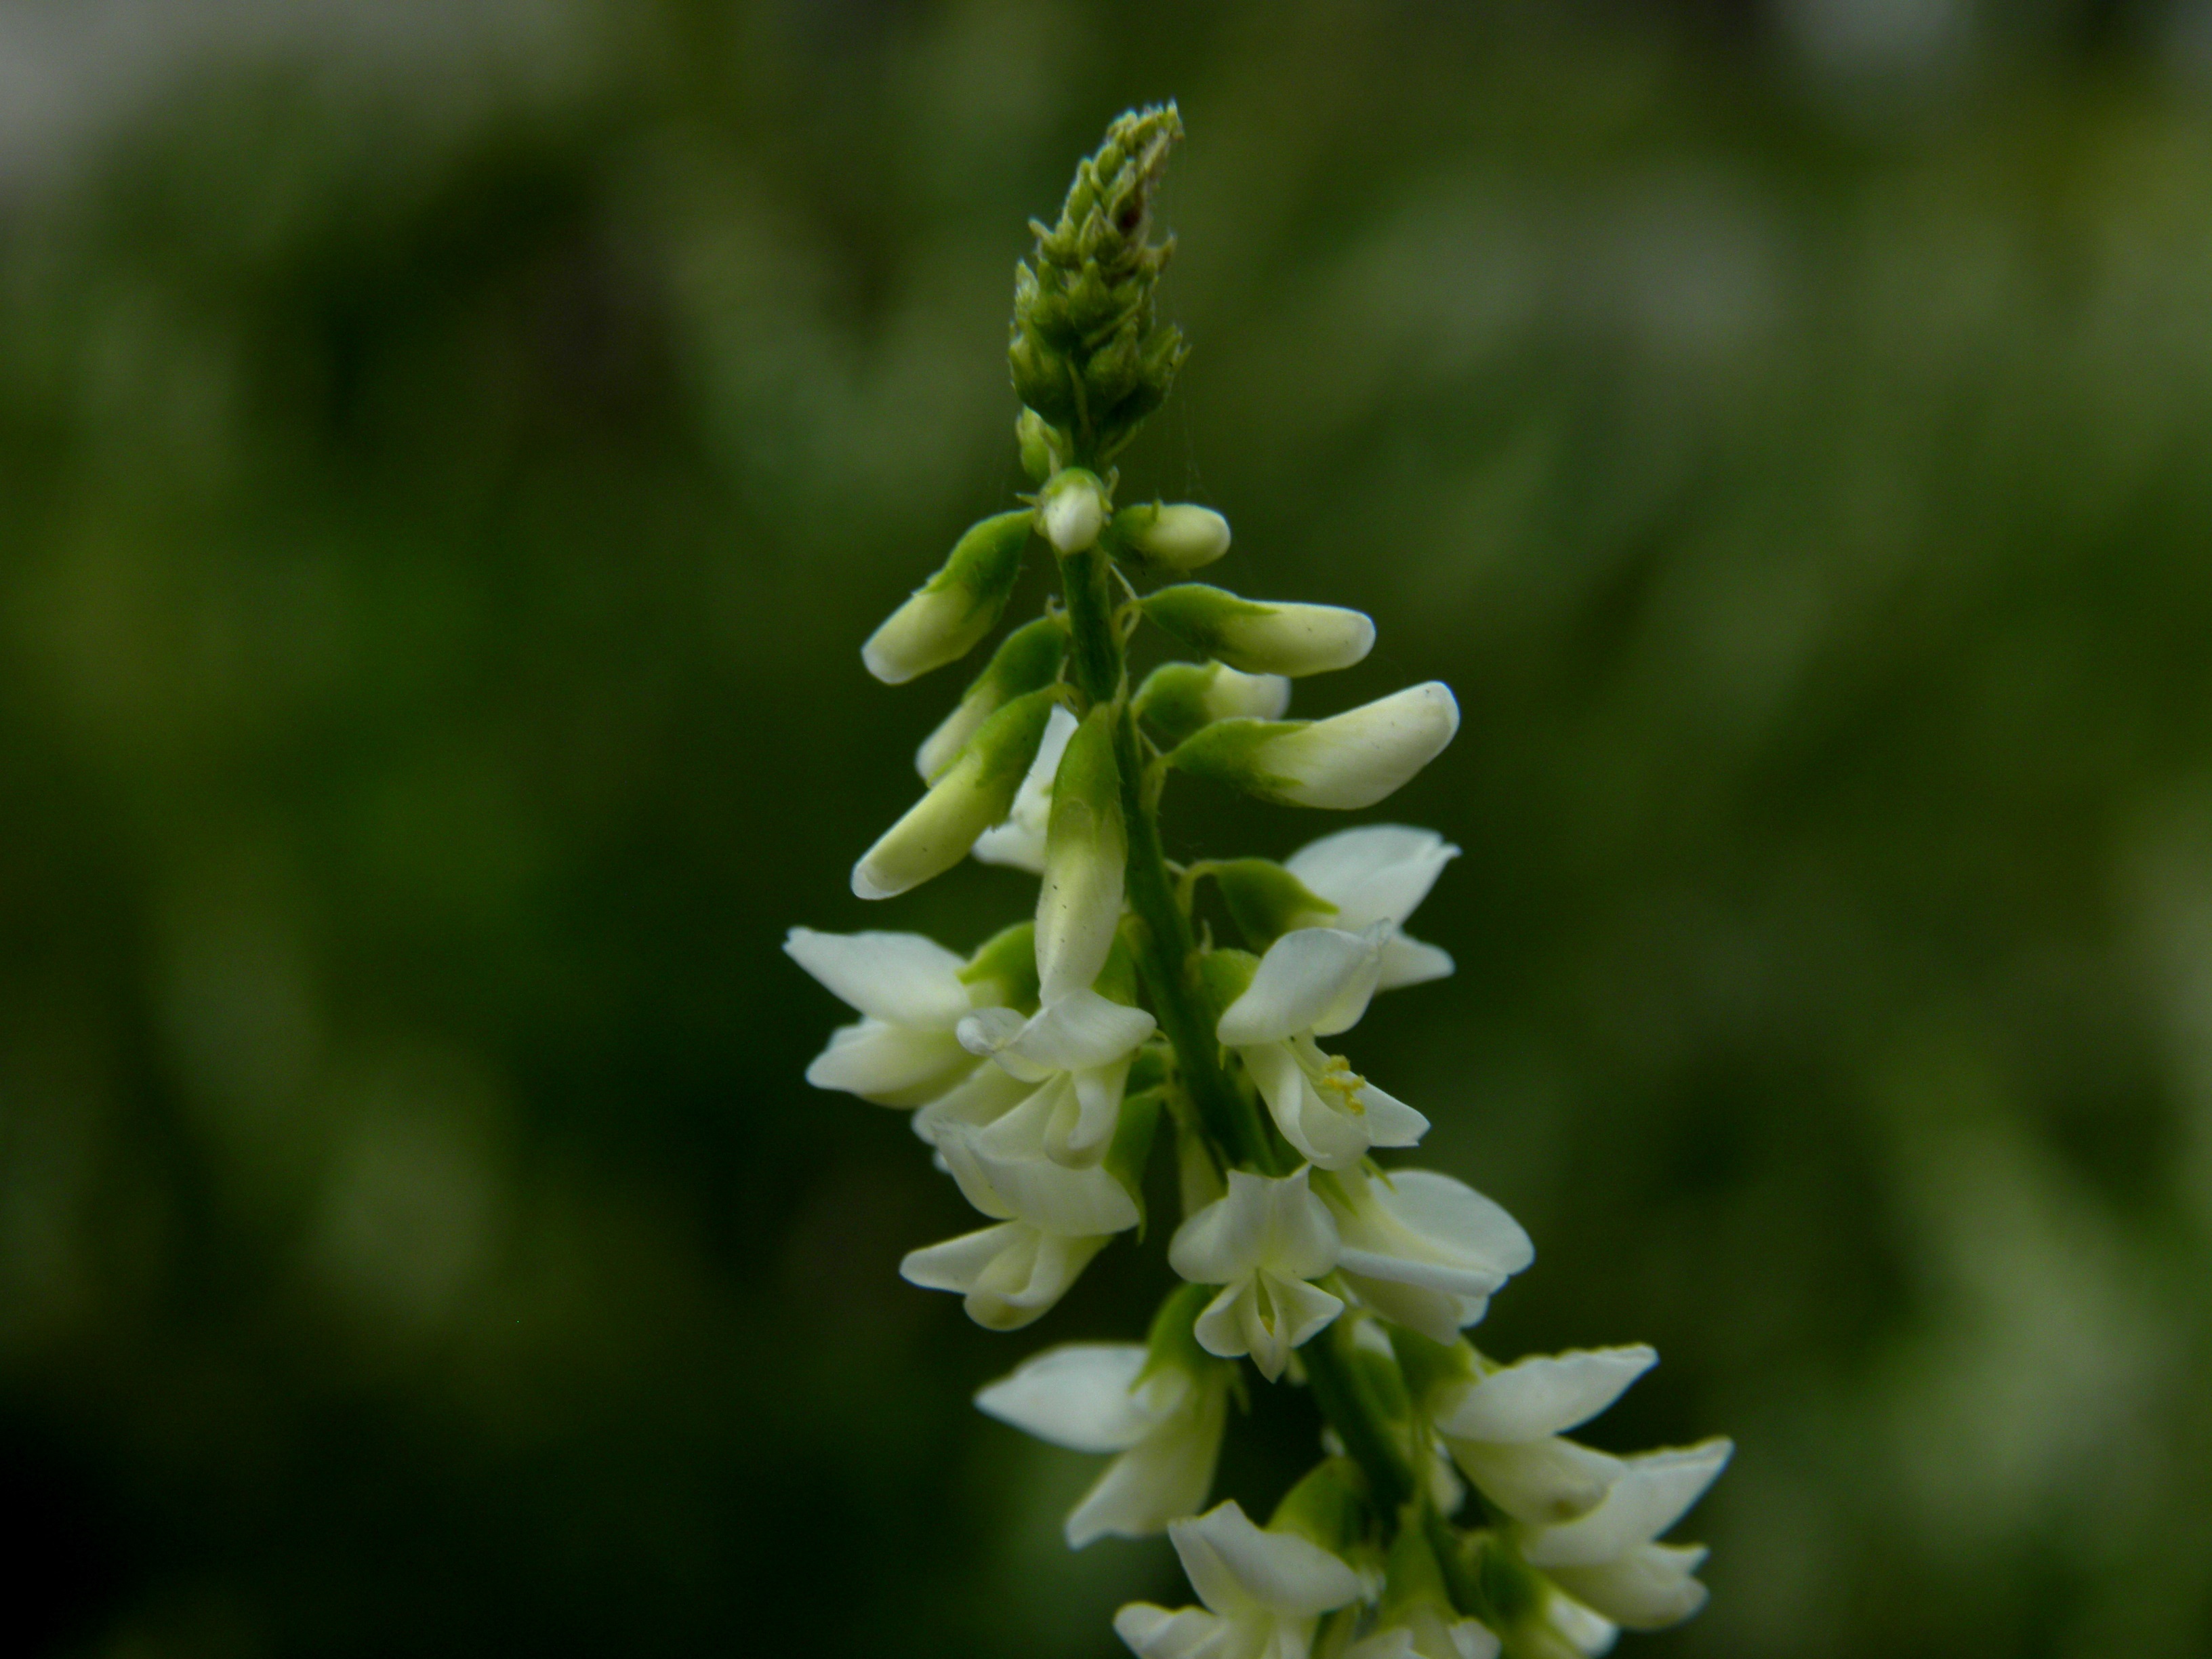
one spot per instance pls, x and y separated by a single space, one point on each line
449 456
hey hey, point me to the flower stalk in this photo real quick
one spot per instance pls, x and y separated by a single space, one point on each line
1040 1067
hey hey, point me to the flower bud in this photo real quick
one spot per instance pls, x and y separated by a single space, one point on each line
951 611
1043 446
1178 697
1172 537
1026 660
1260 638
974 794
1345 762
1266 900
1087 844
1072 509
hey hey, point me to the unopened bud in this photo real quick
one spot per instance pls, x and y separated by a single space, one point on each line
1345 762
1175 537
1043 446
1263 638
974 794
1072 510
1027 659
950 613
1178 697
1086 844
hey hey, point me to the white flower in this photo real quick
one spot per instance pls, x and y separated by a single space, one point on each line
1378 873
1607 1559
1019 841
1261 1243
1503 1430
1262 636
1316 982
1422 1631
905 1049
1072 509
1422 1249
1345 762
1073 1056
1096 1397
1010 1275
1263 1592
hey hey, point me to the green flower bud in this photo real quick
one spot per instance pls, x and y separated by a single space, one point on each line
1328 1506
950 613
974 793
1345 762
1043 446
1005 967
1266 900
1027 659
1260 638
1171 537
1072 509
1177 698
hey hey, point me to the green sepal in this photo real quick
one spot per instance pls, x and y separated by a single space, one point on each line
1227 751
1149 1069
1117 980
1428 1366
1266 900
1172 1341
1412 1576
1008 958
1329 1506
1044 446
1200 618
1225 975
1133 1146
1172 700
1384 1383
1028 660
1515 1591
986 560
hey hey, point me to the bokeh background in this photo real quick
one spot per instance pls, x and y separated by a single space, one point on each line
449 455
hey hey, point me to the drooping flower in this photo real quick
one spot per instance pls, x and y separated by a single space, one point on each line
1262 637
1422 1249
1379 872
1317 981
1609 1559
1260 1241
911 994
1504 1428
1010 1274
1165 1422
1262 1590
1345 762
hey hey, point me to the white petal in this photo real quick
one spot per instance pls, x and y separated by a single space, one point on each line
1155 1633
1543 1482
1230 695
1325 1134
891 1064
1163 1477
987 1094
1545 1394
1078 1395
1390 1122
1010 1275
1408 961
1019 841
1377 872
1082 1028
1222 1242
1278 1315
1435 1315
957 1263
1233 1565
901 979
1648 1588
1650 1498
1427 1230
1301 1237
1588 1633
1067 1203
1356 758
1312 979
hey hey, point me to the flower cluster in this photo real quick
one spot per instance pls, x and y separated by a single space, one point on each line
1450 1517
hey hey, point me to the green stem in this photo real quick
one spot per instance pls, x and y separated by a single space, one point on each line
1168 962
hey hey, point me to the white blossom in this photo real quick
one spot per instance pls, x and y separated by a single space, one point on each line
1379 872
905 1049
1073 1057
1010 1275
1019 840
1504 1429
1164 1425
1607 1559
1317 981
1260 1241
1262 1591
1422 1249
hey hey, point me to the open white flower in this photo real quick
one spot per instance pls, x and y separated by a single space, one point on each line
1019 840
1074 1055
1608 1560
1379 872
1317 981
1097 1397
1263 1591
1422 1249
1010 1275
1504 1429
905 1049
1260 1241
